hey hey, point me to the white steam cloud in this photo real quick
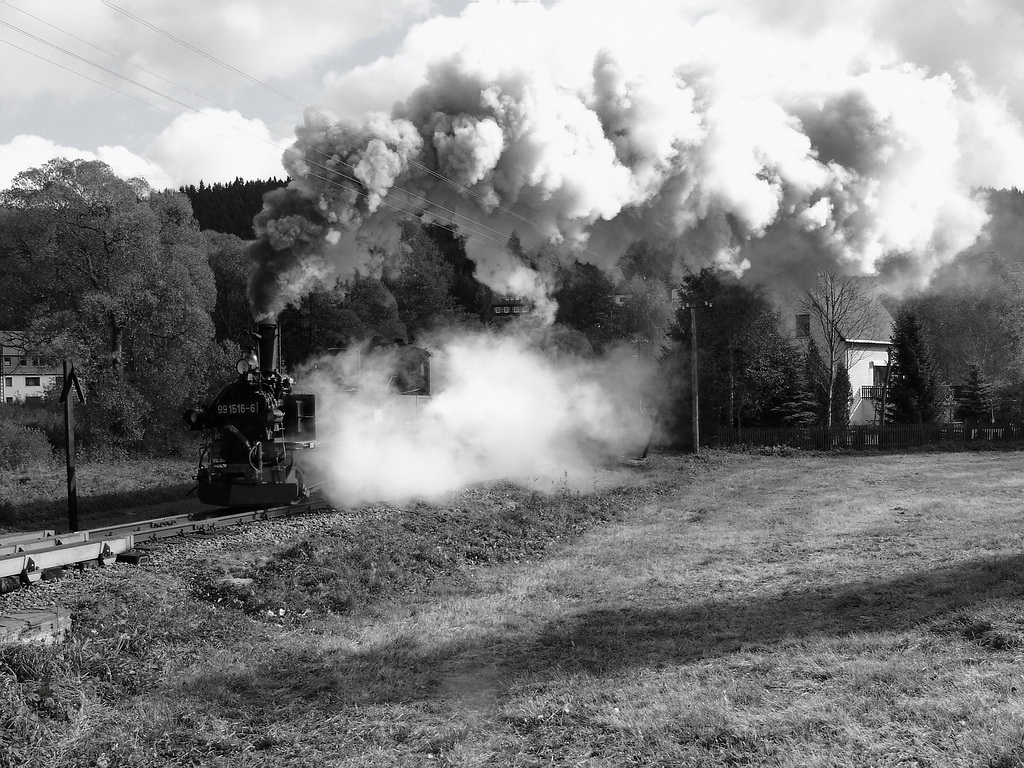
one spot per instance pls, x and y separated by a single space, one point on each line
502 410
586 125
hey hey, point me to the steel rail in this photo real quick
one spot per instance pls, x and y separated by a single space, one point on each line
28 555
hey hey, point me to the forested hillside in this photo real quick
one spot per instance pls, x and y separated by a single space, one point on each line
229 208
149 292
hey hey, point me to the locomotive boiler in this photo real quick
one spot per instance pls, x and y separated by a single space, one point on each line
255 425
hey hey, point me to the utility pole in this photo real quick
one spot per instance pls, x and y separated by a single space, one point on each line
640 406
695 399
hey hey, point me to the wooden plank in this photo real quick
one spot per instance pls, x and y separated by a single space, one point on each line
47 626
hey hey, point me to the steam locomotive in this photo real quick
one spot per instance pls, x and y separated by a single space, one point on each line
256 425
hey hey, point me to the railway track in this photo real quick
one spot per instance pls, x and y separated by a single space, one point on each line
26 558
30 557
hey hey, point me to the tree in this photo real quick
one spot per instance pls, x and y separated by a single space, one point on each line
120 281
816 372
842 399
420 279
232 314
796 404
740 348
913 393
317 325
973 315
646 310
375 307
586 302
975 401
348 314
87 237
646 260
840 308
468 294
230 208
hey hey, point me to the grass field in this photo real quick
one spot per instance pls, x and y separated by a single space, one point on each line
737 610
36 497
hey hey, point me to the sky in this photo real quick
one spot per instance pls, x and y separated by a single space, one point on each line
180 92
767 132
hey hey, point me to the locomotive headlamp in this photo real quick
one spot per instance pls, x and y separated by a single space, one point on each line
247 363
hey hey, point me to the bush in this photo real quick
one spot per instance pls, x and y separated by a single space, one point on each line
46 418
22 446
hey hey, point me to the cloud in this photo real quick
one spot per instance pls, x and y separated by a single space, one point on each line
216 145
210 145
734 135
269 41
24 152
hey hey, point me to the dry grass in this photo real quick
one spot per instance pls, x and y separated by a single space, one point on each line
804 611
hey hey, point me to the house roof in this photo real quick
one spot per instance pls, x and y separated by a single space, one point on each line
876 327
873 326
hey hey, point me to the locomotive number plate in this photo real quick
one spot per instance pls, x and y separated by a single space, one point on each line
233 409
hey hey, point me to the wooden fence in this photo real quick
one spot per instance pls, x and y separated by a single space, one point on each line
894 437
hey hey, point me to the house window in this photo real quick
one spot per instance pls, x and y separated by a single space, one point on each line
506 310
10 399
881 372
7 361
803 326
515 310
31 381
497 310
8 381
22 361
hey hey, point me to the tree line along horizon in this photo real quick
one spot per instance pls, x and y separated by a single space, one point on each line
148 292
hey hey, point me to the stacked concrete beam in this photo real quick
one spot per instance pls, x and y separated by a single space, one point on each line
43 625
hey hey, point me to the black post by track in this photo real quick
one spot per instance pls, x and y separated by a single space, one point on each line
71 379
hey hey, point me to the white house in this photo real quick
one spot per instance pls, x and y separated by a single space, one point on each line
25 374
865 355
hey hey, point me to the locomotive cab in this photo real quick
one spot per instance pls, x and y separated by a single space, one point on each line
256 424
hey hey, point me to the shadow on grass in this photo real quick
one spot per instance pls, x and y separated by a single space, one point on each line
611 640
92 509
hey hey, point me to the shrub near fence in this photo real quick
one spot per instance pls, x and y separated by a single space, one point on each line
895 437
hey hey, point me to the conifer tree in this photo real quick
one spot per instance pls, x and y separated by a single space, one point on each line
975 401
842 398
816 374
913 396
798 405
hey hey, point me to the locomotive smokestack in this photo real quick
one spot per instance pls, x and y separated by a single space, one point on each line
267 346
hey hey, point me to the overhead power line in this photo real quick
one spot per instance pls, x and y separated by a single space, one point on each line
292 100
468 232
193 108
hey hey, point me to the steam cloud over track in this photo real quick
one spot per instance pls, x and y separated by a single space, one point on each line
583 126
502 410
